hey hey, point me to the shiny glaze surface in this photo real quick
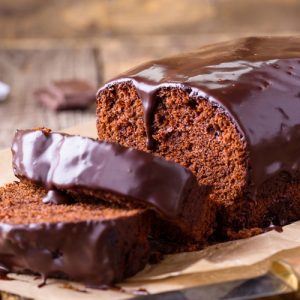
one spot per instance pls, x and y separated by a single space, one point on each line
92 252
61 161
255 81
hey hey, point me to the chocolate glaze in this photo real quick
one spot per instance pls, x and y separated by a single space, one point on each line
57 198
3 273
72 162
255 81
92 252
271 227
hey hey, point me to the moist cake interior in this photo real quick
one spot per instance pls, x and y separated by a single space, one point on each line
21 203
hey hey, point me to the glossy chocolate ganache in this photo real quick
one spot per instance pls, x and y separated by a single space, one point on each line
86 242
255 81
75 163
95 263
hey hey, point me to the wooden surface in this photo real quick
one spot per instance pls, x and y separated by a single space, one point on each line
25 70
77 18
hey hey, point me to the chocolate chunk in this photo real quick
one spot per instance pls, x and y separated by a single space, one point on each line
66 95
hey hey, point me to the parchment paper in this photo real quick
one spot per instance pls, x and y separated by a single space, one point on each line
228 261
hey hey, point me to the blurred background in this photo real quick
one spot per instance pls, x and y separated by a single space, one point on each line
94 40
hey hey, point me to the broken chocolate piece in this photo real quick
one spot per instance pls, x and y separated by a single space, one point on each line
66 95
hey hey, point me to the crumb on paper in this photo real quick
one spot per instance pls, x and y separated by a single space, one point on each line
70 286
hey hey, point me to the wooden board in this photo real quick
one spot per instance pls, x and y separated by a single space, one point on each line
121 54
76 18
24 70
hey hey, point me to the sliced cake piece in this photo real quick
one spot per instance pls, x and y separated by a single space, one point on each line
229 112
86 242
132 178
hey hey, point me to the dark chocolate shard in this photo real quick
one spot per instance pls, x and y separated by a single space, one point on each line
66 95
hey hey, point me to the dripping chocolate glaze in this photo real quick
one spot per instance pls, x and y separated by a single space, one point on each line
66 162
57 198
93 252
255 81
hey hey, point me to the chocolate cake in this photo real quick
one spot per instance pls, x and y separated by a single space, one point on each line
128 177
86 242
229 112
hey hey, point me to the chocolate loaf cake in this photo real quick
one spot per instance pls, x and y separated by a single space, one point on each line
131 178
229 112
86 242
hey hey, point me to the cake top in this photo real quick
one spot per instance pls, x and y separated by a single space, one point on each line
73 162
255 81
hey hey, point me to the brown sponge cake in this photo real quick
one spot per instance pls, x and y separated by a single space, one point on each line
86 242
128 177
230 113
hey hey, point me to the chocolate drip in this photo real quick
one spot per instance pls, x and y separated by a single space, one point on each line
3 273
149 104
271 227
93 252
64 162
255 81
57 198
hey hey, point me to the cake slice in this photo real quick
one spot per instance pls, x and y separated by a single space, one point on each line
87 242
131 178
229 112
